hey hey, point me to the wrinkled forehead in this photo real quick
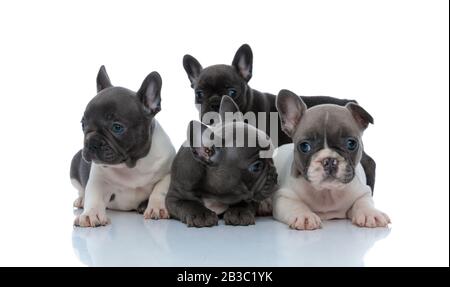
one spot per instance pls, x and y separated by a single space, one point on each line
115 101
327 120
218 75
244 137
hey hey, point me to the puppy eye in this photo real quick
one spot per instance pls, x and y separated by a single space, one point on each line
117 128
304 147
256 167
83 125
232 92
198 95
351 144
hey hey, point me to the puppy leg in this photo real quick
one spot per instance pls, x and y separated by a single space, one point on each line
156 208
364 214
94 214
369 166
242 213
191 212
295 213
79 202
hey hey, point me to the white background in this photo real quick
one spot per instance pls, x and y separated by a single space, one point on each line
392 56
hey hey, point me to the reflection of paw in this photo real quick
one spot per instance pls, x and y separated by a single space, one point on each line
264 208
156 209
239 216
92 218
78 203
201 218
306 221
370 218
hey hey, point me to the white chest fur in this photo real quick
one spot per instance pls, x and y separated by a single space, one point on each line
130 186
328 202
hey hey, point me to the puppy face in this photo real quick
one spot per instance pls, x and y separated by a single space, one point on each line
214 82
235 170
327 138
116 122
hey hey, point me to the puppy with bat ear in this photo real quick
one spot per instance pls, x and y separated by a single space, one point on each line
225 169
212 83
320 174
126 159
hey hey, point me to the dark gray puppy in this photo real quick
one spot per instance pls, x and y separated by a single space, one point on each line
212 83
126 157
221 175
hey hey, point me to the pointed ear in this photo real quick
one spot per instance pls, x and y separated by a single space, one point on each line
192 68
103 80
199 138
290 108
150 93
362 117
227 105
243 62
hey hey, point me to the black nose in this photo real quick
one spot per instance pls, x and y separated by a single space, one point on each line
330 165
94 145
214 106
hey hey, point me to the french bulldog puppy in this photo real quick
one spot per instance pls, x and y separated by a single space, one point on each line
212 83
126 159
320 174
216 172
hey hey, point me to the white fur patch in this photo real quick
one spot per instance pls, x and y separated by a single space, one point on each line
298 201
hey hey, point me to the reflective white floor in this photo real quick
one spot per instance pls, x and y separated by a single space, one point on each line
133 241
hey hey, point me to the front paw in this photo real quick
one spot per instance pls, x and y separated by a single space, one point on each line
201 218
239 216
306 221
79 202
92 218
156 209
370 218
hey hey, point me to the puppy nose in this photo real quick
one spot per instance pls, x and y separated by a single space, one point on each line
214 106
330 165
94 145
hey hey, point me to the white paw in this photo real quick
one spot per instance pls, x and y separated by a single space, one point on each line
92 218
306 221
156 209
370 218
79 202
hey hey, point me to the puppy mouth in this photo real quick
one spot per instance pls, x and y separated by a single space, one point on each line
102 152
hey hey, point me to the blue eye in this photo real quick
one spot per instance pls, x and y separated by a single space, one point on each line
232 92
256 167
351 144
304 147
117 128
198 96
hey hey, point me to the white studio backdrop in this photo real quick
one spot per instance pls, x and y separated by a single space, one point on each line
391 56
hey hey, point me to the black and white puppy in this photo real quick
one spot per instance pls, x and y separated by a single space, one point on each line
126 159
321 176
212 83
221 171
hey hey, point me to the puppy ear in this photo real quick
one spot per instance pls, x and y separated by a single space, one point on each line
103 80
200 142
150 92
290 108
192 68
362 117
227 105
243 62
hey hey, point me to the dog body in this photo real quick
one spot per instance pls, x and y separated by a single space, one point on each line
126 160
321 176
221 175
